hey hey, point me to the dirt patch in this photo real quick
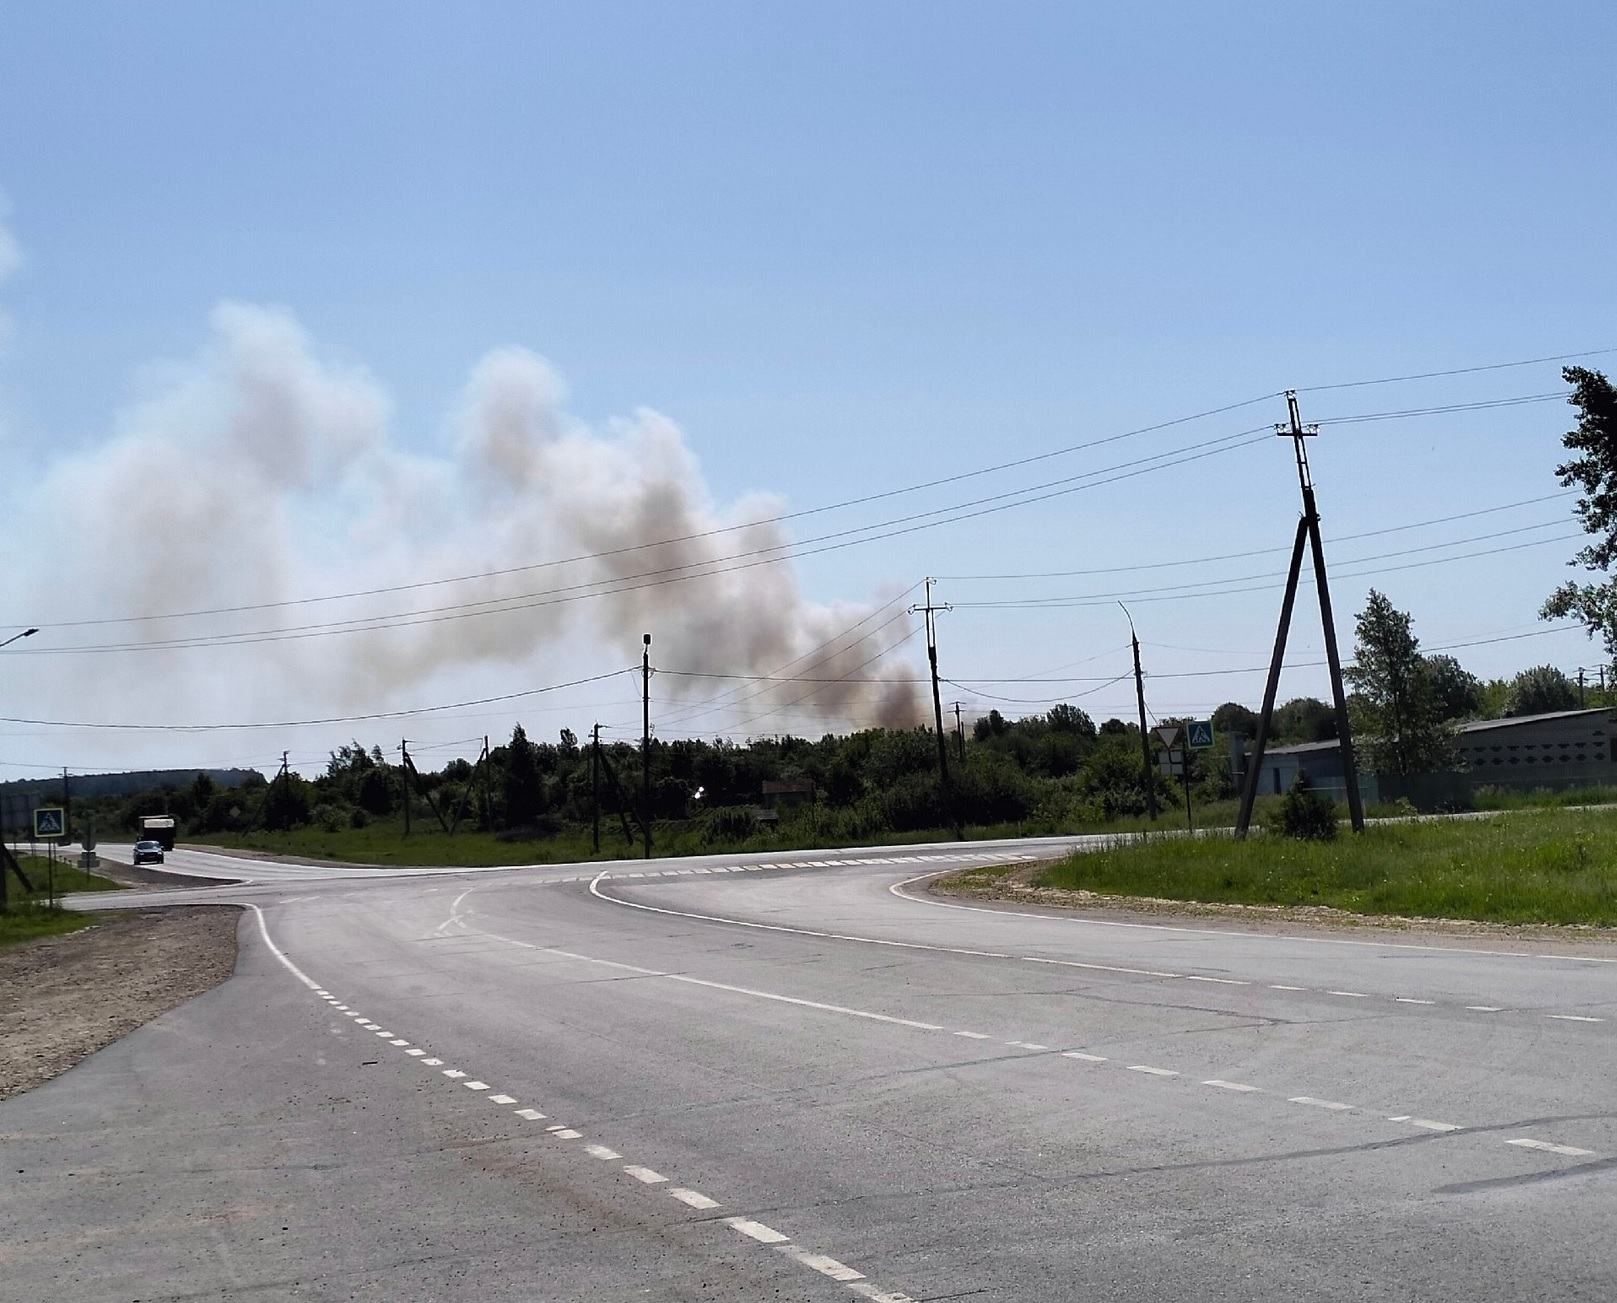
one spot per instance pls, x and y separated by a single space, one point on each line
63 998
1016 887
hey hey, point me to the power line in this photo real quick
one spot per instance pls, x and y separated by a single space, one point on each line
307 723
772 555
1458 371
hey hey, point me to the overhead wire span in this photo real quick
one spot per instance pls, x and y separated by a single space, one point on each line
775 555
308 723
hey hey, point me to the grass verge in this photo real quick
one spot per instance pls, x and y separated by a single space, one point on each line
26 922
1525 866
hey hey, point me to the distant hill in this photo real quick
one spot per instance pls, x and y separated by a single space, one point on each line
126 783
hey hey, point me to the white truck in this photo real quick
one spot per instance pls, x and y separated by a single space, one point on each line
158 828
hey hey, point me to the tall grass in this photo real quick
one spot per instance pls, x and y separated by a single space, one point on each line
1526 866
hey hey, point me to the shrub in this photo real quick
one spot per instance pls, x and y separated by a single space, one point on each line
1305 814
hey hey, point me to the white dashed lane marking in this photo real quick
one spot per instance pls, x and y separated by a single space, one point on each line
645 1174
566 1133
1575 1017
757 1230
532 1114
501 1099
1153 1072
1565 1150
1319 1103
822 1264
693 1198
1230 1085
602 1152
1083 1058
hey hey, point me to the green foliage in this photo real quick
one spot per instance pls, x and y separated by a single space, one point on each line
1304 814
1539 866
1399 719
1539 690
1593 470
1459 693
1303 719
1233 717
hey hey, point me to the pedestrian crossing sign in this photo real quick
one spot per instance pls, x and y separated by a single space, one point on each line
50 821
1201 733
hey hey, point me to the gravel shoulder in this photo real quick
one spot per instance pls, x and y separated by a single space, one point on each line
1015 888
63 998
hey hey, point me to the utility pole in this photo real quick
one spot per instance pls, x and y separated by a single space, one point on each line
645 742
944 794
595 787
67 806
1580 687
1145 736
1307 533
404 777
959 736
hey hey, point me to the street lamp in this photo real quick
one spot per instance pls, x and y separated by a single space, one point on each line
26 633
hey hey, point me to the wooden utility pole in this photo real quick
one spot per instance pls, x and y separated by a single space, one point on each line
959 736
944 793
645 742
595 787
1307 533
404 778
1146 775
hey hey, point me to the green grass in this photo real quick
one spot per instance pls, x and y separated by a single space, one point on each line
1526 866
28 922
68 877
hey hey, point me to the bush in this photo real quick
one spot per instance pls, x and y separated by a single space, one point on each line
1305 814
730 823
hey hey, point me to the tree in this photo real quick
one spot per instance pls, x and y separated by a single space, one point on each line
523 788
1593 470
1459 693
1305 719
1398 715
1540 690
1233 717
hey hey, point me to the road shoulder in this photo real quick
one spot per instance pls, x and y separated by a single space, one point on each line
66 997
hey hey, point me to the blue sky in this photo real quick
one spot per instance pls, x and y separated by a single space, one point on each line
845 248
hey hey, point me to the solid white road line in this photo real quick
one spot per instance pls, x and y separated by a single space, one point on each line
694 1198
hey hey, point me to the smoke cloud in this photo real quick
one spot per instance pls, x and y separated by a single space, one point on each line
258 472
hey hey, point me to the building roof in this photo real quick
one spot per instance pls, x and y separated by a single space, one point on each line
1471 726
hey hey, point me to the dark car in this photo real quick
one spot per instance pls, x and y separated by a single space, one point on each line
148 852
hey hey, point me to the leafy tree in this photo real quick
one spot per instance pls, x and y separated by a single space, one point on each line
1540 690
1304 719
1233 717
1399 717
1069 719
1459 694
1593 469
523 788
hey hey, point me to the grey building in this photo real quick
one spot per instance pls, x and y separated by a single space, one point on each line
1567 748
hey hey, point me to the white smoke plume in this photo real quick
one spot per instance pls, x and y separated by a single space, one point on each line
259 473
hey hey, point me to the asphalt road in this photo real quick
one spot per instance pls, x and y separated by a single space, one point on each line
800 1078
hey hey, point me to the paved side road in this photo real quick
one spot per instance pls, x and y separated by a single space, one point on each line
810 1082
